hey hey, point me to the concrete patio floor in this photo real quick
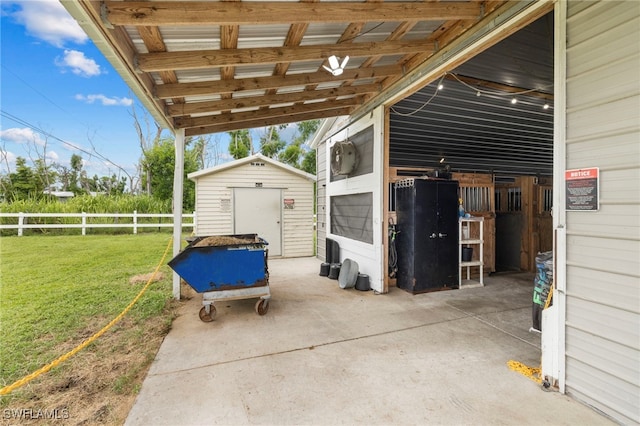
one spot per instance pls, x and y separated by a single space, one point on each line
323 356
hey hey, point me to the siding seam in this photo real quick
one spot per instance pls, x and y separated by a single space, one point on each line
594 136
608 373
599 302
602 101
603 236
608 271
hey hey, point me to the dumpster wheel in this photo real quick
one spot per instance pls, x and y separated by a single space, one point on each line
262 306
207 316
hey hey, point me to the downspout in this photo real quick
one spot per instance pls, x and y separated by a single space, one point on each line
178 185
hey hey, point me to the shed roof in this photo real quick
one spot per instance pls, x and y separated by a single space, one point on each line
253 158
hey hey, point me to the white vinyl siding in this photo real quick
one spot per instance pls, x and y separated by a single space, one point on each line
603 247
213 189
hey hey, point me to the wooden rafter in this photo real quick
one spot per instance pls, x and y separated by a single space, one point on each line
269 99
199 59
266 120
264 13
261 114
166 91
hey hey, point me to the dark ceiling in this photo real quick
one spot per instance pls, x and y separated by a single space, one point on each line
472 122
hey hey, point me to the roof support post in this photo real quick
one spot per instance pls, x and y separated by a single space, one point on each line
178 185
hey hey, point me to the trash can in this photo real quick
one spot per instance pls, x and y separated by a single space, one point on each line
541 286
225 267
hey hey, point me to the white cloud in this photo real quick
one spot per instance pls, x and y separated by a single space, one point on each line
52 156
24 135
105 100
78 63
48 20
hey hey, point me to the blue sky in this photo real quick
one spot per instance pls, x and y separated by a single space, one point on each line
56 86
60 96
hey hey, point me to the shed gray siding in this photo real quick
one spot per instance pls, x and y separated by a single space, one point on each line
603 247
321 211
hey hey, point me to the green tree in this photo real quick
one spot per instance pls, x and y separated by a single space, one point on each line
27 182
309 162
74 175
271 142
291 154
307 128
272 145
240 145
108 185
24 184
159 161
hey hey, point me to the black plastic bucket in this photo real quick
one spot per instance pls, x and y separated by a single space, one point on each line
324 269
467 254
334 271
362 282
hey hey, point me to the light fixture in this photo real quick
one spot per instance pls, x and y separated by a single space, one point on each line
442 160
514 101
337 68
546 106
440 86
478 93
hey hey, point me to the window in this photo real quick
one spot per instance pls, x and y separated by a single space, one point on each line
352 216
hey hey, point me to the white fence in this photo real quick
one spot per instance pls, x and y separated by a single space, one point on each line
84 221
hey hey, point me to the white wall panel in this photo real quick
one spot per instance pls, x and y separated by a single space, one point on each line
368 256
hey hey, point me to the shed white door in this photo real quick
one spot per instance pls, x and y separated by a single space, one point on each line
258 211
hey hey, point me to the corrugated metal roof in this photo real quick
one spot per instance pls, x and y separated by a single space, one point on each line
474 126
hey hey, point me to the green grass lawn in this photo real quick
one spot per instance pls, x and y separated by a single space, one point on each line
57 291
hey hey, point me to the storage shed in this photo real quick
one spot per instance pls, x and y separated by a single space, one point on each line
257 195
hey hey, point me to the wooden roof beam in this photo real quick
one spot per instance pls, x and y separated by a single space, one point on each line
166 91
191 13
267 121
266 100
185 122
199 59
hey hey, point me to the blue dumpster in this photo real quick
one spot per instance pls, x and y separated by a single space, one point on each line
225 267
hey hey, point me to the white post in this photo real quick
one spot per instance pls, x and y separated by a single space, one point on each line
84 223
135 222
178 183
193 228
20 223
553 337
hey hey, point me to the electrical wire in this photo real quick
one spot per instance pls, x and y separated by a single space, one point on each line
424 104
52 136
393 253
495 92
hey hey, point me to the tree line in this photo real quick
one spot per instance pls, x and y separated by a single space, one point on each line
41 178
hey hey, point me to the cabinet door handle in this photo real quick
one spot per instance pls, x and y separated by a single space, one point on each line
442 235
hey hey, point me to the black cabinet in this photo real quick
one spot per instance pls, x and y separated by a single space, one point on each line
427 242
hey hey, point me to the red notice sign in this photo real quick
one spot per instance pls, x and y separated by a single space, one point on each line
582 189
